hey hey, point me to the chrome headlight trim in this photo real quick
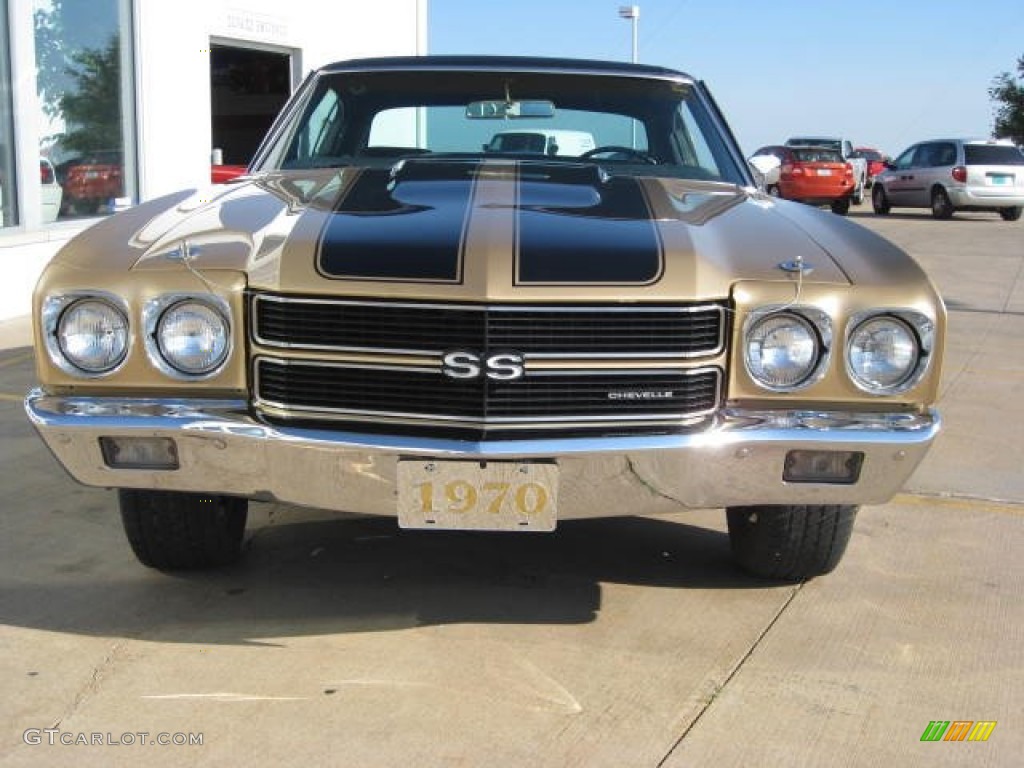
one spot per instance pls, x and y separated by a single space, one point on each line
920 328
152 315
818 322
54 310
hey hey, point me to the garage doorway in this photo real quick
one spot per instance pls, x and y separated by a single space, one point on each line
248 87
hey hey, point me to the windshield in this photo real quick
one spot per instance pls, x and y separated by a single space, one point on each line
835 144
368 118
817 155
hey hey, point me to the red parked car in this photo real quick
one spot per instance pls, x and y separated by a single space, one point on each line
817 176
876 161
93 180
222 173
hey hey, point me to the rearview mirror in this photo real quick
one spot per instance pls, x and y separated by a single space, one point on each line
505 110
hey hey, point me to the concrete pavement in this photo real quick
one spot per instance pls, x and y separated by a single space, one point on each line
621 642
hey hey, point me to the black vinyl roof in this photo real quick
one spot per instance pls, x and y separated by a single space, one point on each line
506 63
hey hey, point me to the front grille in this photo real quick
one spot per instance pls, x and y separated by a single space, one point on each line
579 368
682 331
343 390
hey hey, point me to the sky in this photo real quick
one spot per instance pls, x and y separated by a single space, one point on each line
883 74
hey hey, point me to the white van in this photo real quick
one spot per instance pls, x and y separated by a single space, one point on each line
541 142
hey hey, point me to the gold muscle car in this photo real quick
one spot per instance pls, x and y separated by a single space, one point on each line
381 317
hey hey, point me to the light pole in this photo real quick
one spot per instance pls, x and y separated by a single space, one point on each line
632 12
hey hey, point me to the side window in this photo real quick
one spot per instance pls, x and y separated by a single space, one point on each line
322 123
691 147
318 133
945 154
923 156
903 162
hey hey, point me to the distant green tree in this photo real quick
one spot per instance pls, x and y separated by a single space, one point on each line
51 56
1008 91
92 108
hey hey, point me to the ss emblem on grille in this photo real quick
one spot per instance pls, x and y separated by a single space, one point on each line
501 366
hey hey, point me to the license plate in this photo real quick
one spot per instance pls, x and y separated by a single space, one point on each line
477 495
824 171
1000 180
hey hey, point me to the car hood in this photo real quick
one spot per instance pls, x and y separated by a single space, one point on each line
485 231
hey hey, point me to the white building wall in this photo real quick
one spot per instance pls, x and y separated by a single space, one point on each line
173 66
172 91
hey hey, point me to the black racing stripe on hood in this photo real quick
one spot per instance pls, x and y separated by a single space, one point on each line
409 227
577 230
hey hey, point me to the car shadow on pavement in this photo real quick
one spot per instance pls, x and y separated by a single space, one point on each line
924 215
65 565
364 575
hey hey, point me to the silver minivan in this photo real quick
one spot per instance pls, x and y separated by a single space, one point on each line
949 175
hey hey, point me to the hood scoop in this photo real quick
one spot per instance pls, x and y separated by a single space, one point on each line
572 224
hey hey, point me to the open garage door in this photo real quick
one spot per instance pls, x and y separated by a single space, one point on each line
248 87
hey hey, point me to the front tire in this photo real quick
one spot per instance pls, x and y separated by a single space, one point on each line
173 531
942 207
858 194
1010 214
880 201
792 542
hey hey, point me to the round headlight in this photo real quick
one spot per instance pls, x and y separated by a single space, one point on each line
192 337
93 335
882 354
781 351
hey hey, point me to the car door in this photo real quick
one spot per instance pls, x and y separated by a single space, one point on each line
904 186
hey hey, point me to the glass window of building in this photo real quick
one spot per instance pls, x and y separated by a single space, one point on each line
8 199
86 121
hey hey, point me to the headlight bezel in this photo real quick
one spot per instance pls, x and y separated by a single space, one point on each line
922 330
153 313
820 325
54 311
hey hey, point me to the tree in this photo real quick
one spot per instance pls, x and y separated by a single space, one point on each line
51 56
92 109
1010 113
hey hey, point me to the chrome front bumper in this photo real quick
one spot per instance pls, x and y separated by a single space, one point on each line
738 460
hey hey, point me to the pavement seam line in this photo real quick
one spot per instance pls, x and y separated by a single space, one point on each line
983 311
732 673
12 361
98 674
946 390
1002 506
1013 286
